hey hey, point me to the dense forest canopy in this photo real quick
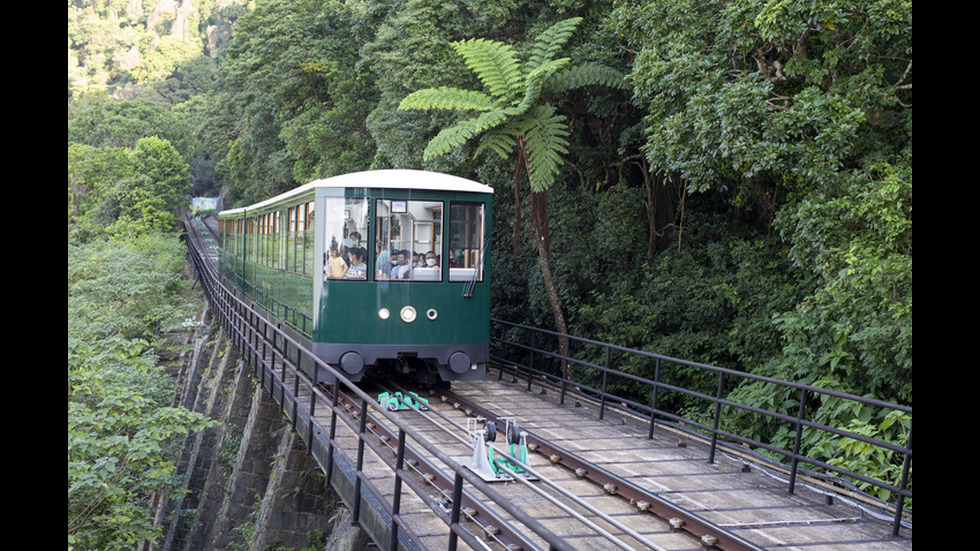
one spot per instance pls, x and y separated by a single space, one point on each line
740 195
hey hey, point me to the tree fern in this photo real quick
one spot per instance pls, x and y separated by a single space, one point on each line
514 117
512 114
461 132
548 43
587 74
452 99
499 141
534 83
546 139
495 64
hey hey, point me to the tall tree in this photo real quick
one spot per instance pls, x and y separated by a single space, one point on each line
514 119
802 110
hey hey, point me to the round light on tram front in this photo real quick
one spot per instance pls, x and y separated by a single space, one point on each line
384 313
408 314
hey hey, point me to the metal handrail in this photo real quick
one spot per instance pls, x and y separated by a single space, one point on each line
798 422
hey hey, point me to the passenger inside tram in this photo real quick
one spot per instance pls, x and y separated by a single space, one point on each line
358 265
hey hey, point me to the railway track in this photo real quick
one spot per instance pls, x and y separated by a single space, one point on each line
557 492
545 488
441 498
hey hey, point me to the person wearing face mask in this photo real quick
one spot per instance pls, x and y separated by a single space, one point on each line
404 270
397 263
431 260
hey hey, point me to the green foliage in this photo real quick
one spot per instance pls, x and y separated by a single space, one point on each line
858 325
93 174
294 98
709 302
512 113
873 461
126 287
120 192
791 92
136 46
803 109
121 441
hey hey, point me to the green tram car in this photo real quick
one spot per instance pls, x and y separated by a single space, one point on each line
383 272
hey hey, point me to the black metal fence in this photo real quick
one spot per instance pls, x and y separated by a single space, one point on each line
586 369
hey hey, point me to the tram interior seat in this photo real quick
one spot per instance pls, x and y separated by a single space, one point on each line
425 274
461 274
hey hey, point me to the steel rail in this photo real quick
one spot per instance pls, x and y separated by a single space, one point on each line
679 518
551 484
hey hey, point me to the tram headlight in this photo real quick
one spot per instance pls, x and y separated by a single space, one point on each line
384 313
408 314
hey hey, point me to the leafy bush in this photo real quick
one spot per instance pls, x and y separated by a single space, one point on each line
128 288
122 438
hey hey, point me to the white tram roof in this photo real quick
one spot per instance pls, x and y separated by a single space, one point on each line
381 179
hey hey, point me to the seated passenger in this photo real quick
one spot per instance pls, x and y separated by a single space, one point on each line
385 269
358 267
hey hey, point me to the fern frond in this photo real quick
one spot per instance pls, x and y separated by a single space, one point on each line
444 97
461 132
546 139
494 63
587 74
534 83
548 43
501 143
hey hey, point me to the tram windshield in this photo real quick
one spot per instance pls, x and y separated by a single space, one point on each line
408 240
466 241
345 247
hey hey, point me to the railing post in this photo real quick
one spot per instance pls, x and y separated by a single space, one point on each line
397 499
714 430
653 398
530 363
299 356
605 377
333 430
355 517
797 443
454 514
906 466
309 424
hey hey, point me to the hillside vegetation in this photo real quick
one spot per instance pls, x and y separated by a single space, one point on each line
722 181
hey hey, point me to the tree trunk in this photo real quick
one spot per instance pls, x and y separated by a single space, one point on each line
517 202
660 213
539 220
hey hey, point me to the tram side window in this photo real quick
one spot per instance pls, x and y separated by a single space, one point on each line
345 230
466 241
407 232
308 234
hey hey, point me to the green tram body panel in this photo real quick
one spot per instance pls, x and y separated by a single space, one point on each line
341 317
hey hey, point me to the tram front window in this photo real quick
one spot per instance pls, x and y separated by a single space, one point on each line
345 248
466 241
406 232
